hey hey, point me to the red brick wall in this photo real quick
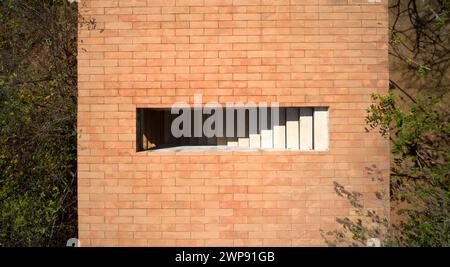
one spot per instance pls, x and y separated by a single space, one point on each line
152 53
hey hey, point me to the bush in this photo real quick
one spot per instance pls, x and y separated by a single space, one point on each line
37 122
419 183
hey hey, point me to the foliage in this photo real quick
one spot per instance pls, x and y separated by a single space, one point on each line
420 178
419 35
420 175
417 124
37 122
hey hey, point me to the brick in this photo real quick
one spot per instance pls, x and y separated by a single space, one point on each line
154 53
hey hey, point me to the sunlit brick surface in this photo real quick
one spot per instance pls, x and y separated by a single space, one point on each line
152 53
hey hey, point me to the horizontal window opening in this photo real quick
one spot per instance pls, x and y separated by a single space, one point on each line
195 129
